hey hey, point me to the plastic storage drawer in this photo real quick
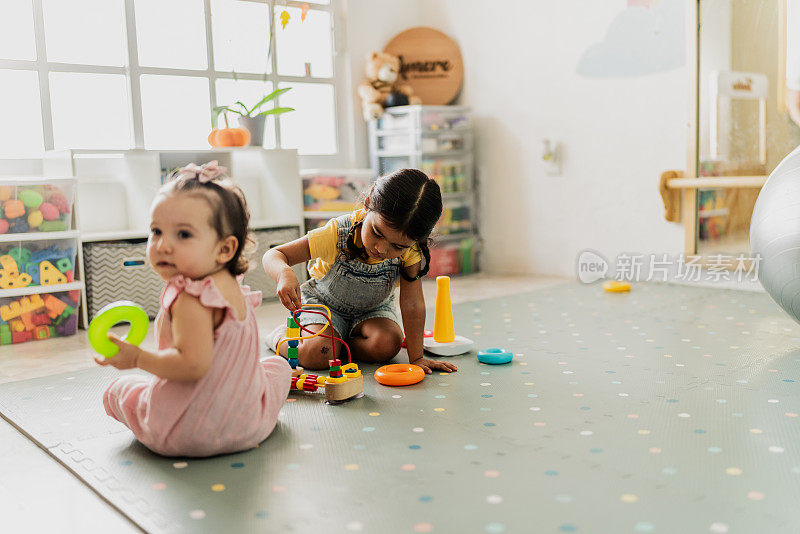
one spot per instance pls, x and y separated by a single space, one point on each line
36 204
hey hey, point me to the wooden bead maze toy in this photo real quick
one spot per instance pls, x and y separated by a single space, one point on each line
343 381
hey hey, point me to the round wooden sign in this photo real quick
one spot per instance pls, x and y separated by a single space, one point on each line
430 62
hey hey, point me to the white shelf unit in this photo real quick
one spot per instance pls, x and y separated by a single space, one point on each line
39 242
117 188
438 141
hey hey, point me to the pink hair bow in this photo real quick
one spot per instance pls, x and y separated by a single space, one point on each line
207 172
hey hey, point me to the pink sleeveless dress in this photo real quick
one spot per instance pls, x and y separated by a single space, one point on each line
232 408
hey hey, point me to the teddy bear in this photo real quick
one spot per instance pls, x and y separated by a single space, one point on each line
381 88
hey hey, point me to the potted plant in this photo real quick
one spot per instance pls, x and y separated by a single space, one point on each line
251 118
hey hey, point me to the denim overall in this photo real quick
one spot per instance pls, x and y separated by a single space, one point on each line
353 290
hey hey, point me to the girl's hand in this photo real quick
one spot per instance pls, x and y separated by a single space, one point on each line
289 290
429 365
127 356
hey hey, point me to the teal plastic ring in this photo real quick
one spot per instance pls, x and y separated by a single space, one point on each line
495 356
121 311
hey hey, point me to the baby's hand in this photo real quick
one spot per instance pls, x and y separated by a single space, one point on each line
289 290
126 358
429 365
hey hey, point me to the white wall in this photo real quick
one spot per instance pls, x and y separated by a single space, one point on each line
370 25
618 134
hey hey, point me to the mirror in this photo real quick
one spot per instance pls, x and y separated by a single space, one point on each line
744 126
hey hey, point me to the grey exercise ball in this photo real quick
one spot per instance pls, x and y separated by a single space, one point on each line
775 234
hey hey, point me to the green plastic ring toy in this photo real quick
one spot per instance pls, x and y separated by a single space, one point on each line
495 356
117 312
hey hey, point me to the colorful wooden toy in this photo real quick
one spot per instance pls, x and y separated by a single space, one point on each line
343 381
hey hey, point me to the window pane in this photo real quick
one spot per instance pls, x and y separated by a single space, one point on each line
16 30
85 31
171 34
249 92
23 114
311 127
240 33
90 110
304 44
176 112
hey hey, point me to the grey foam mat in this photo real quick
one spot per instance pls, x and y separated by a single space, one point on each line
669 409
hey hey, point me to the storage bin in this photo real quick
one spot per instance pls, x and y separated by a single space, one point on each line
444 261
119 271
28 263
334 190
38 316
36 204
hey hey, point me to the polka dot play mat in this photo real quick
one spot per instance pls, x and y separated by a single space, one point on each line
666 409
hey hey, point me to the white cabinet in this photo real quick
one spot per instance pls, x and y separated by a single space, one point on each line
438 141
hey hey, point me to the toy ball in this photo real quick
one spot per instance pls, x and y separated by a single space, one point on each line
30 198
495 356
395 99
59 201
3 226
35 218
49 211
14 208
775 234
122 311
616 286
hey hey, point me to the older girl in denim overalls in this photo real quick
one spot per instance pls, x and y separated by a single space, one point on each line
359 259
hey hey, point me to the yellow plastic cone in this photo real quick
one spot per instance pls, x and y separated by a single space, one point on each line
443 331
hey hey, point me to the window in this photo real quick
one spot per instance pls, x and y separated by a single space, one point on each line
117 74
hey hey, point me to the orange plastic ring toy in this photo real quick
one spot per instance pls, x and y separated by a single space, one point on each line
399 374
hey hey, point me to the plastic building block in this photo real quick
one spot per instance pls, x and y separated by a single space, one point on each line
27 320
10 310
293 343
290 323
9 265
32 303
19 255
5 335
293 363
41 332
64 265
17 325
21 337
21 280
49 275
54 305
293 352
292 332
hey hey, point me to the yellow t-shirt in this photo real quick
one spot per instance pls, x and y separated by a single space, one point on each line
323 244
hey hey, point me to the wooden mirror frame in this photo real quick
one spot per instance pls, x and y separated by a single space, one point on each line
679 188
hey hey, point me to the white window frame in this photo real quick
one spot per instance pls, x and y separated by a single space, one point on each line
133 71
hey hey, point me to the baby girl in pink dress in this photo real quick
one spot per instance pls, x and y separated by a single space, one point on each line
210 394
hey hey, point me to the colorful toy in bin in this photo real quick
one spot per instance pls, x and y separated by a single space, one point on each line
122 311
41 208
343 381
37 317
20 267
